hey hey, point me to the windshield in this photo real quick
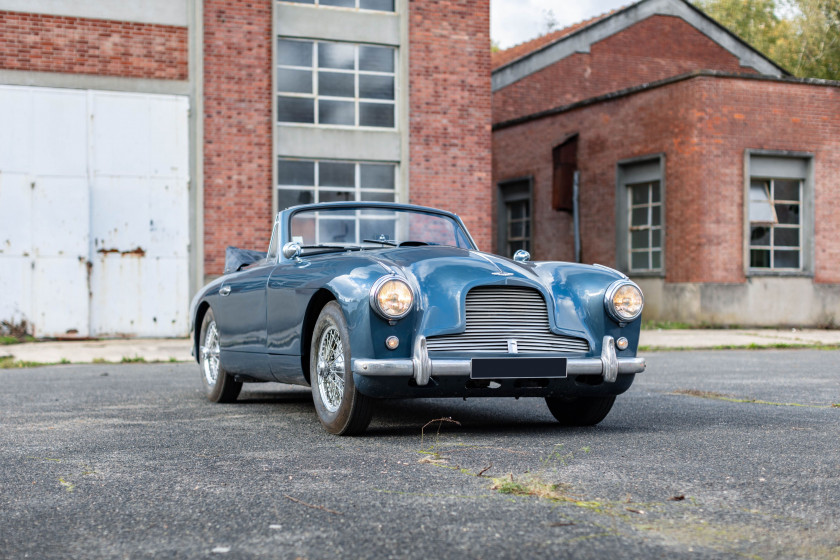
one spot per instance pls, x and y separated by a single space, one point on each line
375 227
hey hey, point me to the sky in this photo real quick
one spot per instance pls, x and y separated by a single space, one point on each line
515 21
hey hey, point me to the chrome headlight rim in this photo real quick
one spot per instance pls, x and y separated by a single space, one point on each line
609 304
374 297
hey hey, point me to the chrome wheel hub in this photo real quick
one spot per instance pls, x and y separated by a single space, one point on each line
330 368
210 355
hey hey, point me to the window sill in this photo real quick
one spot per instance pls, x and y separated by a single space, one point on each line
758 272
645 274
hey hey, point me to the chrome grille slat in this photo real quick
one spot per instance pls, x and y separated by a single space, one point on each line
496 314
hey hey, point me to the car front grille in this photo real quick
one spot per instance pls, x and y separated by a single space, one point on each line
499 314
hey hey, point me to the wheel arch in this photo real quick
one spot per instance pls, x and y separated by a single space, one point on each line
201 311
316 303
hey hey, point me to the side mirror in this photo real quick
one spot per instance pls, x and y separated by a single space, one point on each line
291 250
522 256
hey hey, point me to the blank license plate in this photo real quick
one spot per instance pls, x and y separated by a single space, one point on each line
515 368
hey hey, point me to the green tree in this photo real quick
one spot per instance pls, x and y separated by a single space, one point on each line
802 36
814 50
754 21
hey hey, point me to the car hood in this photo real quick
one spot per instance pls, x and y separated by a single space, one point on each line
442 276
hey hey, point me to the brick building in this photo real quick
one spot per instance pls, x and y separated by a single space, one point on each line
138 139
654 141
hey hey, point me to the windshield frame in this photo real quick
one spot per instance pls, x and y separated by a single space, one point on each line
285 217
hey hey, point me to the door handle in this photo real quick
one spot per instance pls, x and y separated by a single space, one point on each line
224 291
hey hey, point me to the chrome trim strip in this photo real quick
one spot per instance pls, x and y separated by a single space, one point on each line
404 367
423 368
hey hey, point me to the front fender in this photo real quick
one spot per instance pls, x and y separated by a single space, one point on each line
583 287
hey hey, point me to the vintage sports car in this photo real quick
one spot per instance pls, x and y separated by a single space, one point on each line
365 300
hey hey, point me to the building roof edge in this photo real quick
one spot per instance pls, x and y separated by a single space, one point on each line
658 84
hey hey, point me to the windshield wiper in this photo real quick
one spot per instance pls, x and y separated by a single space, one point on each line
332 247
383 241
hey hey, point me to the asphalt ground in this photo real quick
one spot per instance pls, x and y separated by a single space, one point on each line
714 454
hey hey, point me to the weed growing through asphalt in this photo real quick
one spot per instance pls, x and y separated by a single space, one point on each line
729 398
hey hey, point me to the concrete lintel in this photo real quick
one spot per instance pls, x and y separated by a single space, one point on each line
325 143
160 12
90 81
581 41
338 24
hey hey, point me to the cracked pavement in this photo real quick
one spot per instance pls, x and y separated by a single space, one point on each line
130 461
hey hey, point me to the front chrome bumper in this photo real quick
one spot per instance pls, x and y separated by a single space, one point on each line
422 368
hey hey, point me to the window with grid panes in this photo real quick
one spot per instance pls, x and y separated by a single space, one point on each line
301 181
775 224
378 5
644 202
518 225
330 83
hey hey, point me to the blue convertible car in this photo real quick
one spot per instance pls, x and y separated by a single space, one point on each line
363 301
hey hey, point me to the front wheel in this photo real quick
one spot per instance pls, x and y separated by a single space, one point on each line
340 407
218 385
580 411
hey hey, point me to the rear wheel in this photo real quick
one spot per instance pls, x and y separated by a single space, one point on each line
218 385
580 411
340 407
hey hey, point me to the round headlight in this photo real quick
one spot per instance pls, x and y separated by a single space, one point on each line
391 298
624 301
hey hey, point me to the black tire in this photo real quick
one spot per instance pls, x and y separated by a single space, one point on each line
218 385
341 408
580 411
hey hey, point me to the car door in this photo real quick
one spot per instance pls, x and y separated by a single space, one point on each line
288 294
240 311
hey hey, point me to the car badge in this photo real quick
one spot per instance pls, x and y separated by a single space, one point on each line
502 273
513 347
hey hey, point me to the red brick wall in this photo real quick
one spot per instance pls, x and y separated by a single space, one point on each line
237 127
655 48
89 46
703 126
449 108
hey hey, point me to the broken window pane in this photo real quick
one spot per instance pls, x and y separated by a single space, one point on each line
761 211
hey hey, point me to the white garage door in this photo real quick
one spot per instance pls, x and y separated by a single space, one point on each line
94 212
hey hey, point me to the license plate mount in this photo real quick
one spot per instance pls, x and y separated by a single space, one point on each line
518 368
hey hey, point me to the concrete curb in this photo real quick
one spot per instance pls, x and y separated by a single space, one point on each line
740 338
89 351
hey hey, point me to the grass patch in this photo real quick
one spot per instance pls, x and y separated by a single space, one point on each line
729 398
751 346
534 486
9 362
665 325
134 360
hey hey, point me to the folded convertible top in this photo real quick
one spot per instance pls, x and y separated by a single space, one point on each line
236 258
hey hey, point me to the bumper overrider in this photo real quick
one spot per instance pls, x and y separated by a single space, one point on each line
422 367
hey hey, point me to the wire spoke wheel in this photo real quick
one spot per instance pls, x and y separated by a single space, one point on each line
341 408
331 368
210 355
219 386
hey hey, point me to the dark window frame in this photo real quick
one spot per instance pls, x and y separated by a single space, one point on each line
319 101
630 172
513 190
781 165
